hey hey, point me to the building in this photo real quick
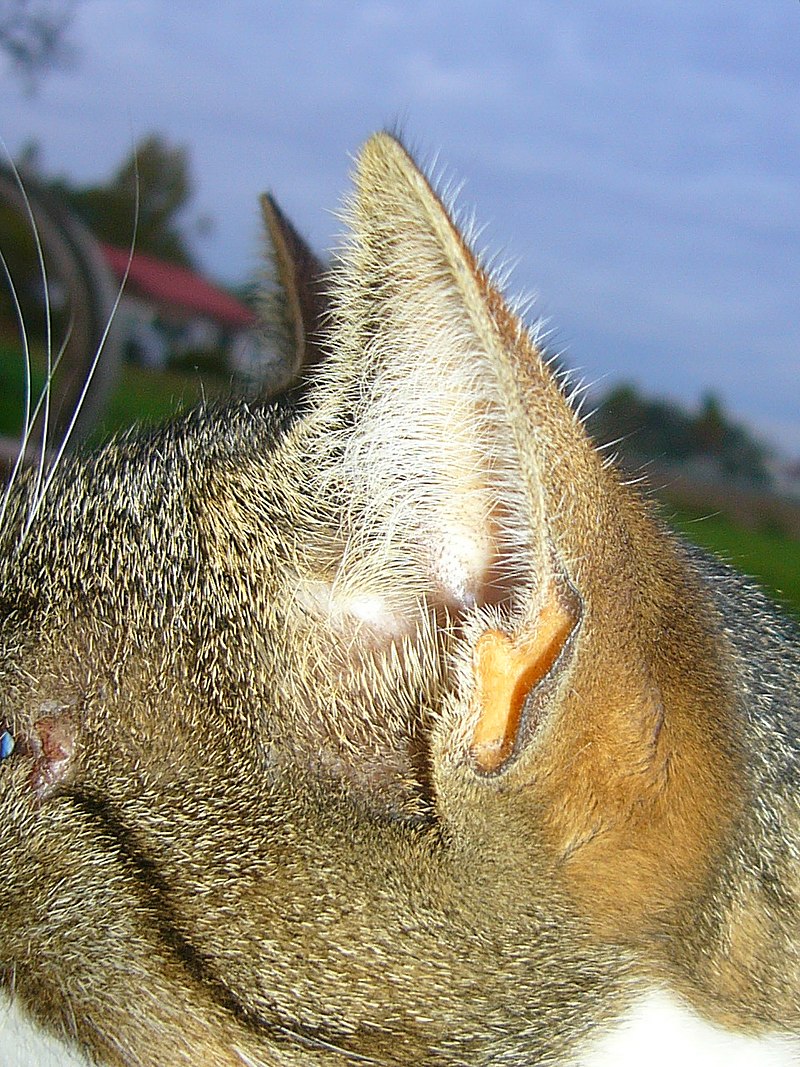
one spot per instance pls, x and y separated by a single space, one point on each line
169 314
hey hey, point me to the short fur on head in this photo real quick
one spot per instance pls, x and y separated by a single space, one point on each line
380 722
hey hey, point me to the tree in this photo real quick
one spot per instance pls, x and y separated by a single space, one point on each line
739 455
710 426
641 426
60 293
33 34
78 301
161 173
646 429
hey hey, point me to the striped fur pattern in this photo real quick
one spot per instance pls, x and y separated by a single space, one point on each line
380 722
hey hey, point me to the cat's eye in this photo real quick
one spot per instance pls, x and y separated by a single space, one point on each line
6 744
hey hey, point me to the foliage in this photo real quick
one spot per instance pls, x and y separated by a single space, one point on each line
161 173
148 397
157 174
142 396
22 265
33 34
646 429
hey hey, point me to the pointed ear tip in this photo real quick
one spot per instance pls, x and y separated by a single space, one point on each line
383 148
383 140
269 206
278 227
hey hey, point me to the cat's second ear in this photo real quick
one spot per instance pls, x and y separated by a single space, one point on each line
294 304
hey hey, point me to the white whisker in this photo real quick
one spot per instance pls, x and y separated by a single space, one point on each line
31 421
47 463
46 389
27 359
53 466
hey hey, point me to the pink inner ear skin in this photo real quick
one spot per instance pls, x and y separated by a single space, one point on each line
506 670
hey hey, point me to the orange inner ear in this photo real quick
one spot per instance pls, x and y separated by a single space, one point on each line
505 672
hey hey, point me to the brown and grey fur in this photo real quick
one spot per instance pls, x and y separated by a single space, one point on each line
244 821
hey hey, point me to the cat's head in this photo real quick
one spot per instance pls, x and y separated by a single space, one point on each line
360 708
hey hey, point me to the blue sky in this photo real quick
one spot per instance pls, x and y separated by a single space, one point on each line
639 161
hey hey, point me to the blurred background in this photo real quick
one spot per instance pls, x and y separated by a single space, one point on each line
638 162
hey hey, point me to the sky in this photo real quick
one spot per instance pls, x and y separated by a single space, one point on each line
638 161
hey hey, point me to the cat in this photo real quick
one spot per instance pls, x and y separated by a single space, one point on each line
380 722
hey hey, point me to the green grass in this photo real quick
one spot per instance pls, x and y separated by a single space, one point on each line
146 397
12 389
142 397
770 558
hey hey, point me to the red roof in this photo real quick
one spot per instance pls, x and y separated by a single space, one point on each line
178 287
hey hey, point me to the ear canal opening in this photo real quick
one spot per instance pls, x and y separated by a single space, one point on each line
510 670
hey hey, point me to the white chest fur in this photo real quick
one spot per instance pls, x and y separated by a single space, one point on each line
661 1032
23 1044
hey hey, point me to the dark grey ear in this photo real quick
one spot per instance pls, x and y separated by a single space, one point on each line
294 307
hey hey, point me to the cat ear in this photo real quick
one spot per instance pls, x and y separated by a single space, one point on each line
429 417
425 413
583 683
294 305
